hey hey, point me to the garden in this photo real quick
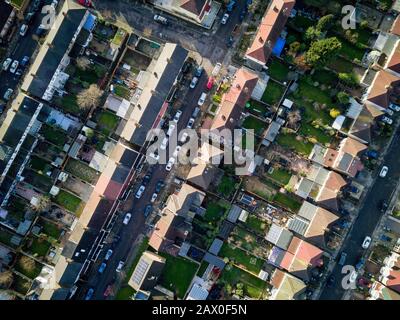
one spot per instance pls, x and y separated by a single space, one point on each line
273 93
278 70
28 267
37 246
253 123
82 171
53 135
287 201
107 121
279 175
257 224
70 202
296 143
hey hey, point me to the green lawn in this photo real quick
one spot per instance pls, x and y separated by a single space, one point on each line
278 70
273 93
287 201
54 135
325 77
21 285
119 37
69 202
125 293
289 140
314 93
226 186
341 65
202 268
39 247
177 274
254 287
122 91
82 171
279 175
50 229
307 130
241 258
69 104
31 273
90 76
107 121
258 225
214 212
253 123
350 51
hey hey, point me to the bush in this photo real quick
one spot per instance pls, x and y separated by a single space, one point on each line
334 113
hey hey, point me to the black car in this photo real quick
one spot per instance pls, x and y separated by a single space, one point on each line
148 210
331 281
229 42
159 186
383 205
146 179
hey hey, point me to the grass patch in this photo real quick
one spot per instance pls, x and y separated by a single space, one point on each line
69 202
341 65
289 140
314 93
258 225
125 293
202 269
350 51
253 123
227 186
177 274
214 212
308 130
28 267
119 37
82 171
280 175
69 104
39 247
90 76
278 70
287 201
257 108
325 77
273 93
107 121
241 258
50 229
53 135
122 91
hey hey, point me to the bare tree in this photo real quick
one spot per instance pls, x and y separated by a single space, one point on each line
83 63
42 205
27 264
89 97
293 118
6 279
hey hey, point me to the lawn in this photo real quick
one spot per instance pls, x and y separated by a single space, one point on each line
214 212
90 76
125 293
307 130
278 70
69 202
122 91
69 104
38 164
119 37
350 51
39 247
53 135
314 93
177 274
325 77
107 121
287 201
82 171
29 267
226 186
281 176
273 93
202 269
289 140
241 258
258 225
254 287
21 285
341 65
253 123
50 229
256 107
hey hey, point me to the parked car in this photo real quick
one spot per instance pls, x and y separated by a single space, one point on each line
199 72
89 294
176 151
390 112
360 264
85 3
353 276
108 254
231 5
127 218
196 112
394 107
342 259
6 64
190 123
210 83
372 154
170 164
120 266
383 205
366 243
154 156
171 129
193 82
148 210
14 66
160 19
387 120
242 15
108 291
164 143
23 30
177 115
146 179
140 191
8 94
384 171
24 61
102 267
229 42
160 184
154 197
41 30
202 99
19 72
184 137
384 237
225 18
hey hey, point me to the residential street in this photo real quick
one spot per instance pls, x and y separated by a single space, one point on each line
367 219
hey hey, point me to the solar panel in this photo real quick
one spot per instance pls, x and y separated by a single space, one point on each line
140 271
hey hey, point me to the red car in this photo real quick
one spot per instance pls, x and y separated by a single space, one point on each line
85 3
108 290
210 83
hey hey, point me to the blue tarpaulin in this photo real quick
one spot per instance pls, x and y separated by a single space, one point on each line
90 21
280 44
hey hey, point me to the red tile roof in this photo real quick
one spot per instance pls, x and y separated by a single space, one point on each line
382 88
393 62
270 28
396 26
194 6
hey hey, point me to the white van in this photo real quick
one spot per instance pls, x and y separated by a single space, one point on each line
202 99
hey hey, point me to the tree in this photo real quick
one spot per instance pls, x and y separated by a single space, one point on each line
83 63
334 113
293 118
349 79
312 34
294 48
27 264
6 279
90 97
43 204
322 51
343 97
326 22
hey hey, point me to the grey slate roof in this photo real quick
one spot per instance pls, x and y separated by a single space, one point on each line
214 260
216 246
234 213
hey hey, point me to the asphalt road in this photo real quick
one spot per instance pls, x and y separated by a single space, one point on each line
367 219
24 46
